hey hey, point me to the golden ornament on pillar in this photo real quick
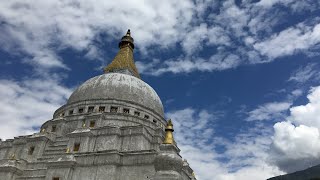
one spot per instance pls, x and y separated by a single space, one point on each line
169 133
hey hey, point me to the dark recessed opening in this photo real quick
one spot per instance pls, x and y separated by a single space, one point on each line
102 109
146 116
31 150
90 109
126 111
114 109
92 123
70 112
55 178
136 113
53 128
80 110
76 147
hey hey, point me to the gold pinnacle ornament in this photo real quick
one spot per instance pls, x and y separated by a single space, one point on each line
124 59
169 133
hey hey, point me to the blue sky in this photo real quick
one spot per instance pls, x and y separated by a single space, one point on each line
240 79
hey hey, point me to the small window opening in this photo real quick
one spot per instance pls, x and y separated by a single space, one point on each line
54 128
70 112
92 124
114 109
146 116
76 147
55 178
154 121
80 110
90 109
125 110
61 114
137 113
102 108
31 150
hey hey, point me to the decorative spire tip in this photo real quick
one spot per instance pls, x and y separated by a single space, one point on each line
123 62
128 33
169 133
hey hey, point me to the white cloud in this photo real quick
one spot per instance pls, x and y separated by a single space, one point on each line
269 111
26 105
290 41
308 114
295 147
296 142
194 41
201 36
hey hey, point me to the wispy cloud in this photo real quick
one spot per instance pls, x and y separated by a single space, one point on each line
217 62
244 158
269 111
28 104
290 41
304 74
40 31
50 26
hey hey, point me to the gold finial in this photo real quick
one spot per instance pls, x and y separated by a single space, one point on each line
169 135
84 124
12 156
68 150
193 174
124 62
43 130
128 33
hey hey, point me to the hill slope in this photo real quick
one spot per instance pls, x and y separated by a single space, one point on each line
312 173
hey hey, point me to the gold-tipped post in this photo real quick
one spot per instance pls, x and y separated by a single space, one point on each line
169 133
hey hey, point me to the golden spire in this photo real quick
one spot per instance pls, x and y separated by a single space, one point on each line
123 62
169 133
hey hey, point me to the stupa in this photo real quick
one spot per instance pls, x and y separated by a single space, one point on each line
111 128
